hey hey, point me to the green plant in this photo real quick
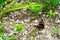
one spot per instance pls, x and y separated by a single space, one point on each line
19 27
11 37
34 8
56 30
2 2
1 31
37 7
54 2
3 6
33 38
1 28
52 13
1 24
4 37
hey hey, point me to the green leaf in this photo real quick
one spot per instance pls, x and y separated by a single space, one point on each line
36 9
2 2
12 38
1 31
52 13
1 24
56 29
4 37
7 38
19 27
54 2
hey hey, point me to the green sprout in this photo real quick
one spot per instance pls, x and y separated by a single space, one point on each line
12 37
52 13
5 37
36 9
1 31
1 28
19 27
33 38
56 30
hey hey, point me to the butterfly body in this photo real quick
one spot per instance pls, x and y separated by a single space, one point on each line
40 25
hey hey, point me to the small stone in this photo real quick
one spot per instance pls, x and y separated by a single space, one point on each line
58 21
32 18
23 38
12 20
59 15
15 15
11 33
57 12
16 3
12 16
5 18
17 21
27 20
43 31
36 21
49 36
11 23
47 15
59 7
44 15
38 36
21 22
25 32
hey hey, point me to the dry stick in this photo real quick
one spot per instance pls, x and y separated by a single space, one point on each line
17 7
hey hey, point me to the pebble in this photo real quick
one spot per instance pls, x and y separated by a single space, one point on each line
11 23
12 20
57 12
36 21
59 7
44 15
25 32
49 36
17 21
58 21
11 33
21 22
47 15
12 16
5 18
26 20
23 38
43 31
59 15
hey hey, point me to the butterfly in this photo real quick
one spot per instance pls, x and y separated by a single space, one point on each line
40 25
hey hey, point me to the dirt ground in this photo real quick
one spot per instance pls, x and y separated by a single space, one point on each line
30 32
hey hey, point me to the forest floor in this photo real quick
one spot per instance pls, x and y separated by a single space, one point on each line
30 32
